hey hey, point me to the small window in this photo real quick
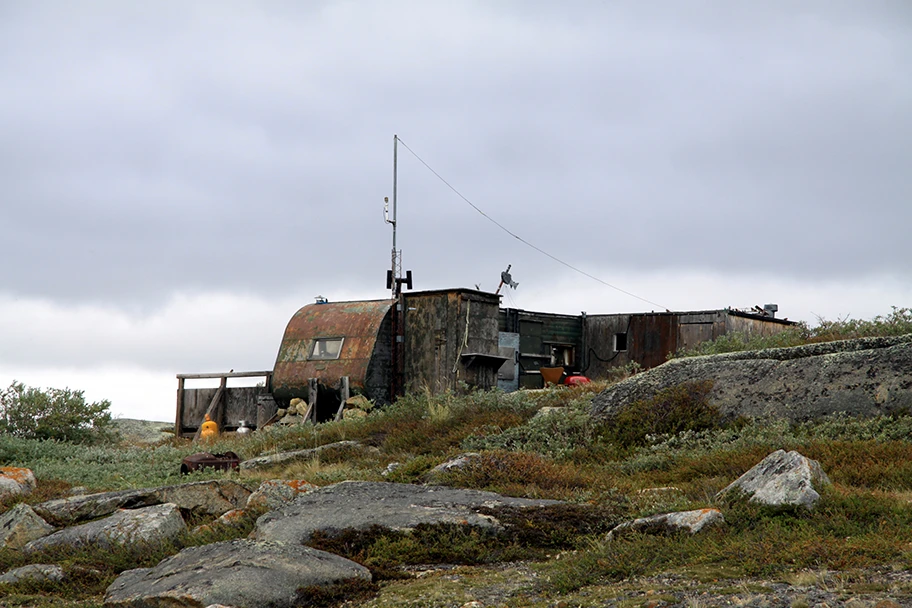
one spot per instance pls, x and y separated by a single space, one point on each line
620 342
326 348
562 355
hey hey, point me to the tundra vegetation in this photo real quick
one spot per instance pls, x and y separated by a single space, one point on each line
675 442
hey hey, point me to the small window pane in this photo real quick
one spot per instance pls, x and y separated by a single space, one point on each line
620 342
326 348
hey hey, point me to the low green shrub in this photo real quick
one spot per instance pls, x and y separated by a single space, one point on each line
58 414
516 474
672 410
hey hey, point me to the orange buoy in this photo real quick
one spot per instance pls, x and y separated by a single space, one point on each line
210 429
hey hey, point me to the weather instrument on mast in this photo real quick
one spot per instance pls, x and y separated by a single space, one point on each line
506 279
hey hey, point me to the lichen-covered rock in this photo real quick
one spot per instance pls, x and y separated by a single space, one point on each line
681 521
276 493
15 481
21 525
205 497
33 572
234 573
863 377
456 463
128 526
781 479
397 506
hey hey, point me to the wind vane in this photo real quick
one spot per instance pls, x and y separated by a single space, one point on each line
506 279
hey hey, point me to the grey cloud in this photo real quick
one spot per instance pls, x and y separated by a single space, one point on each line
241 147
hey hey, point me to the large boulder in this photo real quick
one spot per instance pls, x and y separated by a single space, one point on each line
21 525
205 497
129 526
666 523
362 504
781 479
863 377
16 480
240 573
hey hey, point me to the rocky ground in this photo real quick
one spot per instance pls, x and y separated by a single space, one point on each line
515 585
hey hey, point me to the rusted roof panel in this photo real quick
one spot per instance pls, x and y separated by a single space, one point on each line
357 322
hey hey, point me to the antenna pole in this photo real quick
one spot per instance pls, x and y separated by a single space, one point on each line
395 254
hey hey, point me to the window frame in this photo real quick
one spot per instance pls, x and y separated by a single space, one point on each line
311 353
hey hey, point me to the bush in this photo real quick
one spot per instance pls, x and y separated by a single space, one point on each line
673 410
57 414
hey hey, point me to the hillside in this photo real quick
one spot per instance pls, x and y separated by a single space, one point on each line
855 546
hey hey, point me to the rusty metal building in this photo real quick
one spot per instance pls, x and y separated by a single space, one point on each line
448 339
334 340
595 344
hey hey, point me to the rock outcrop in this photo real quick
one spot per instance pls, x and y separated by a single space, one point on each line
205 497
781 479
362 504
15 481
33 572
666 523
21 525
863 377
129 526
234 573
277 493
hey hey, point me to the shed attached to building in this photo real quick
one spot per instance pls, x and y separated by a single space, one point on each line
330 341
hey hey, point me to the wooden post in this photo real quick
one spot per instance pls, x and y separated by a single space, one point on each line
179 418
344 393
313 390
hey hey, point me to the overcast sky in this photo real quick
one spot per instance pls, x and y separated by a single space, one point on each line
177 179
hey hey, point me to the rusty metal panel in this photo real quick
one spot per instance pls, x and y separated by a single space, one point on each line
692 334
359 323
651 338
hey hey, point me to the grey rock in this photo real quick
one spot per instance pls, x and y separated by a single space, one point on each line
390 468
863 377
681 521
397 506
205 497
240 573
781 479
15 481
21 525
456 463
134 526
269 460
276 493
33 572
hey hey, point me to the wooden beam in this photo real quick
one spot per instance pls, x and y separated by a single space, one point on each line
267 374
313 390
212 409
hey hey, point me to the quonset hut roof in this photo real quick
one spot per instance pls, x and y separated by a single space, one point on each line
358 324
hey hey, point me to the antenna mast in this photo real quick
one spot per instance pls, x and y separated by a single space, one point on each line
394 283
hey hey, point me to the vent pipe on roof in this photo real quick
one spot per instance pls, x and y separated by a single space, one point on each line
770 310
